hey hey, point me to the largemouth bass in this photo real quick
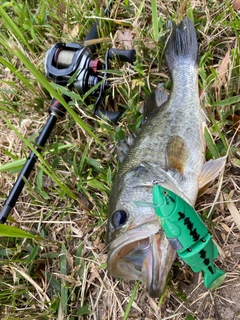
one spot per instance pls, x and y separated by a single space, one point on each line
168 150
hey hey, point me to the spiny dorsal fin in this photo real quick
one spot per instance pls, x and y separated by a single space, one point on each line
124 145
156 99
210 171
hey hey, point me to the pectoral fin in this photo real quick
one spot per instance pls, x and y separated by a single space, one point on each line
210 171
177 153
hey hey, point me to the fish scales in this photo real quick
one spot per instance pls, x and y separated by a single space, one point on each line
169 150
180 116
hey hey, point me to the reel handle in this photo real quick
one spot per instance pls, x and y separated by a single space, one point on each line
92 34
113 116
123 55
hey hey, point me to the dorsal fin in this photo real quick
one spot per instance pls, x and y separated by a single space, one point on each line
156 99
124 145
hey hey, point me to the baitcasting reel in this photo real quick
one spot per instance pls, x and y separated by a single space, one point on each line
64 61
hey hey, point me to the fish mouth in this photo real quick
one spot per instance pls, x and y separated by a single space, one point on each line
147 259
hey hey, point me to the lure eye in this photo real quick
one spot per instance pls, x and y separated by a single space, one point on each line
165 192
119 218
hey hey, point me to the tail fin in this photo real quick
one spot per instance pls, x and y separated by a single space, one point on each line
182 46
213 281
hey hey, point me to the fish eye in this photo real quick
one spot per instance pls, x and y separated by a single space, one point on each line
119 218
165 192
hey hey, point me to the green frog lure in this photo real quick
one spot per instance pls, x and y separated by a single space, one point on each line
188 235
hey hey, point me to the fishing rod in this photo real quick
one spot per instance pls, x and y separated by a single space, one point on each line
62 62
56 111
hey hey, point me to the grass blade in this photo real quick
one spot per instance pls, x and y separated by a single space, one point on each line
210 143
46 168
17 73
18 164
14 28
63 271
12 165
226 102
129 306
9 231
155 20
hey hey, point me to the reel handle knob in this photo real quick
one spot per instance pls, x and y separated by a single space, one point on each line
112 116
123 55
92 34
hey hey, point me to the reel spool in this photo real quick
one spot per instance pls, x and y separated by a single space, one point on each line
65 60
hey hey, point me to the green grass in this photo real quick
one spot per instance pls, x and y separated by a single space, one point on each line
65 200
